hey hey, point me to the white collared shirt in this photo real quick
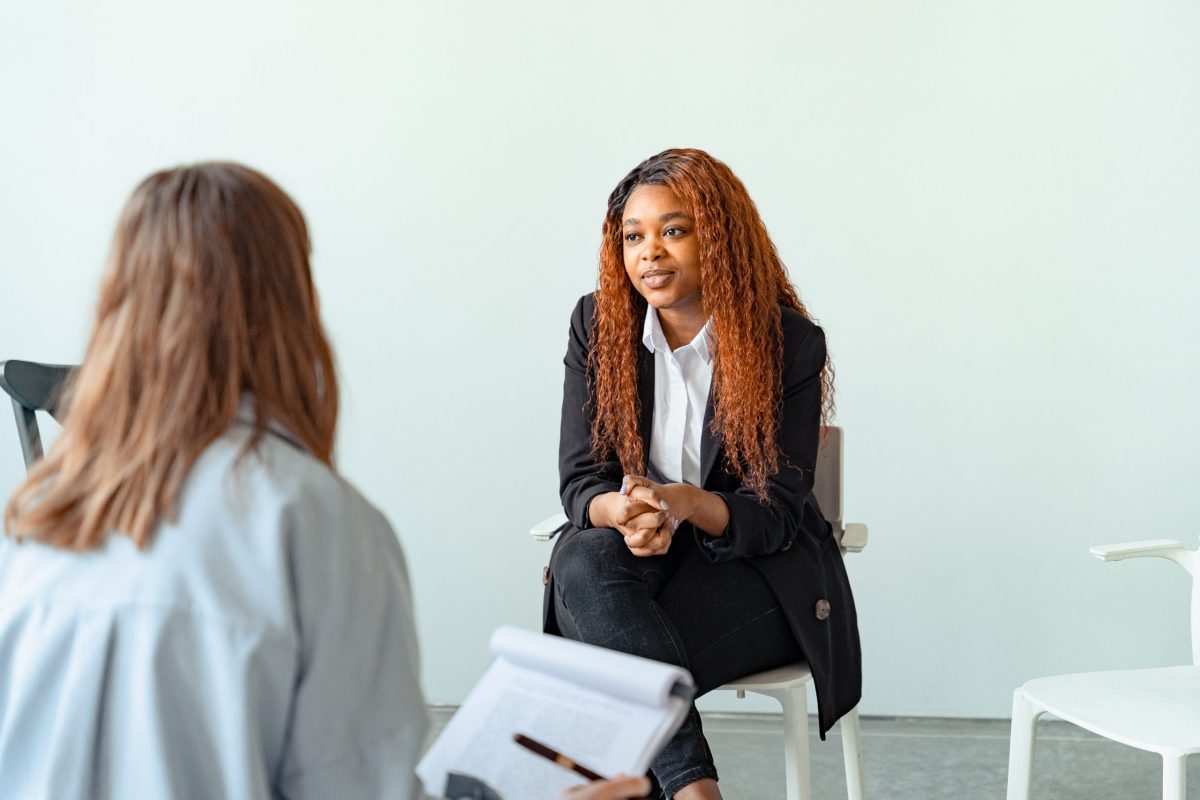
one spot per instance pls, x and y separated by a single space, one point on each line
681 382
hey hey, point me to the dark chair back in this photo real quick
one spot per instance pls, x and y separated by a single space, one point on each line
33 387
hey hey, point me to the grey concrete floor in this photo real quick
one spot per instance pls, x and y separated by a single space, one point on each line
931 759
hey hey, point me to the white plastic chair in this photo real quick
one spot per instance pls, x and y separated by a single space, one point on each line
1150 709
789 685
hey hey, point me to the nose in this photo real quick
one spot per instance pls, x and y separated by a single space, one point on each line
652 250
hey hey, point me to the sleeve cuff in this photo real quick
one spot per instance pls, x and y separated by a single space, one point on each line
585 507
715 548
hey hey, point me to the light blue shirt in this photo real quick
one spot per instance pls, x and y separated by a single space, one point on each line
262 646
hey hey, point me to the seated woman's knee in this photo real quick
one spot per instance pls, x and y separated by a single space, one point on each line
588 553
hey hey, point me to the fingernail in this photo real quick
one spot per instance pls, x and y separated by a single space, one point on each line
664 505
624 487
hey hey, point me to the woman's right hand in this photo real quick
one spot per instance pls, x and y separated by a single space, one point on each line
626 514
647 528
619 788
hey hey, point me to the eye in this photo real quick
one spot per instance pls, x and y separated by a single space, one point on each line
632 237
673 231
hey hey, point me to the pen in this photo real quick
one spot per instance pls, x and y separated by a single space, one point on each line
558 758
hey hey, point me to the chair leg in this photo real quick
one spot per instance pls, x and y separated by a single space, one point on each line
852 754
1174 777
795 755
1020 746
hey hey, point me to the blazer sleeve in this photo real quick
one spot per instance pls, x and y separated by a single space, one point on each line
581 477
758 528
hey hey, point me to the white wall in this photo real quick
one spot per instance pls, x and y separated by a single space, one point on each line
990 206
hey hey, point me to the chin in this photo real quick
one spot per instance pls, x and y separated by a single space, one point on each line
669 297
670 300
659 302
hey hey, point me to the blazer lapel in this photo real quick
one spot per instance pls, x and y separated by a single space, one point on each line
710 443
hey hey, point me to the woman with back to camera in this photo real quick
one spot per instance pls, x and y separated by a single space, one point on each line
696 384
192 602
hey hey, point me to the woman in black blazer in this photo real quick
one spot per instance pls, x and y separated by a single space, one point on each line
696 383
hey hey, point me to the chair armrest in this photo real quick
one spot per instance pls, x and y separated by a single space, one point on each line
1124 550
1152 548
546 530
854 537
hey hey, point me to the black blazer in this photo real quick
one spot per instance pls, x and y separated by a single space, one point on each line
787 539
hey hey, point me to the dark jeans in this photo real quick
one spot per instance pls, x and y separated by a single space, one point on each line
720 621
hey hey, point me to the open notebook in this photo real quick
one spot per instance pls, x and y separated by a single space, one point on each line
608 711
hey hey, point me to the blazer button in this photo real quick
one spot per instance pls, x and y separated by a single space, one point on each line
546 576
822 609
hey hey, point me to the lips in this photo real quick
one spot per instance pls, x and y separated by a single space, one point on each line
657 278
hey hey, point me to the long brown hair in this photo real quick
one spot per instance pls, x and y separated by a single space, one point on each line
207 296
743 286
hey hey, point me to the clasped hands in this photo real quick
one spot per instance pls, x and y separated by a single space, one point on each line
644 512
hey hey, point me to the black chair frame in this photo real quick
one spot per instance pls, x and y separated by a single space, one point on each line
33 387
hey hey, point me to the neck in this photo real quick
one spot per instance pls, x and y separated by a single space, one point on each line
680 325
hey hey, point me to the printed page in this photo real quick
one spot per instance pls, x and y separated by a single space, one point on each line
603 733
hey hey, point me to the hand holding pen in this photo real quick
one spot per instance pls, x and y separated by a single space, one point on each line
621 787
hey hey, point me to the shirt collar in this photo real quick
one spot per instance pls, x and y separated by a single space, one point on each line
656 341
247 415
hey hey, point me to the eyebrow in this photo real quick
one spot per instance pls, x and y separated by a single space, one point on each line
670 215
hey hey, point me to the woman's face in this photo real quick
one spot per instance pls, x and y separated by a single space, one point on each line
662 253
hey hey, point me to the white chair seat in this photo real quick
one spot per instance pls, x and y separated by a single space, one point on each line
792 676
1143 708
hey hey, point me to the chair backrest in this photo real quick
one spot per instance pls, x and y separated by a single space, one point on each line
827 483
33 387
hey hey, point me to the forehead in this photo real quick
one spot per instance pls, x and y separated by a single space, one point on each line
650 201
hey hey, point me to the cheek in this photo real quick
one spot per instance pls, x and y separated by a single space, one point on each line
631 262
693 262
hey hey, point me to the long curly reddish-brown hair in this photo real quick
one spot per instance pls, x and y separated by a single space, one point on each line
743 285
